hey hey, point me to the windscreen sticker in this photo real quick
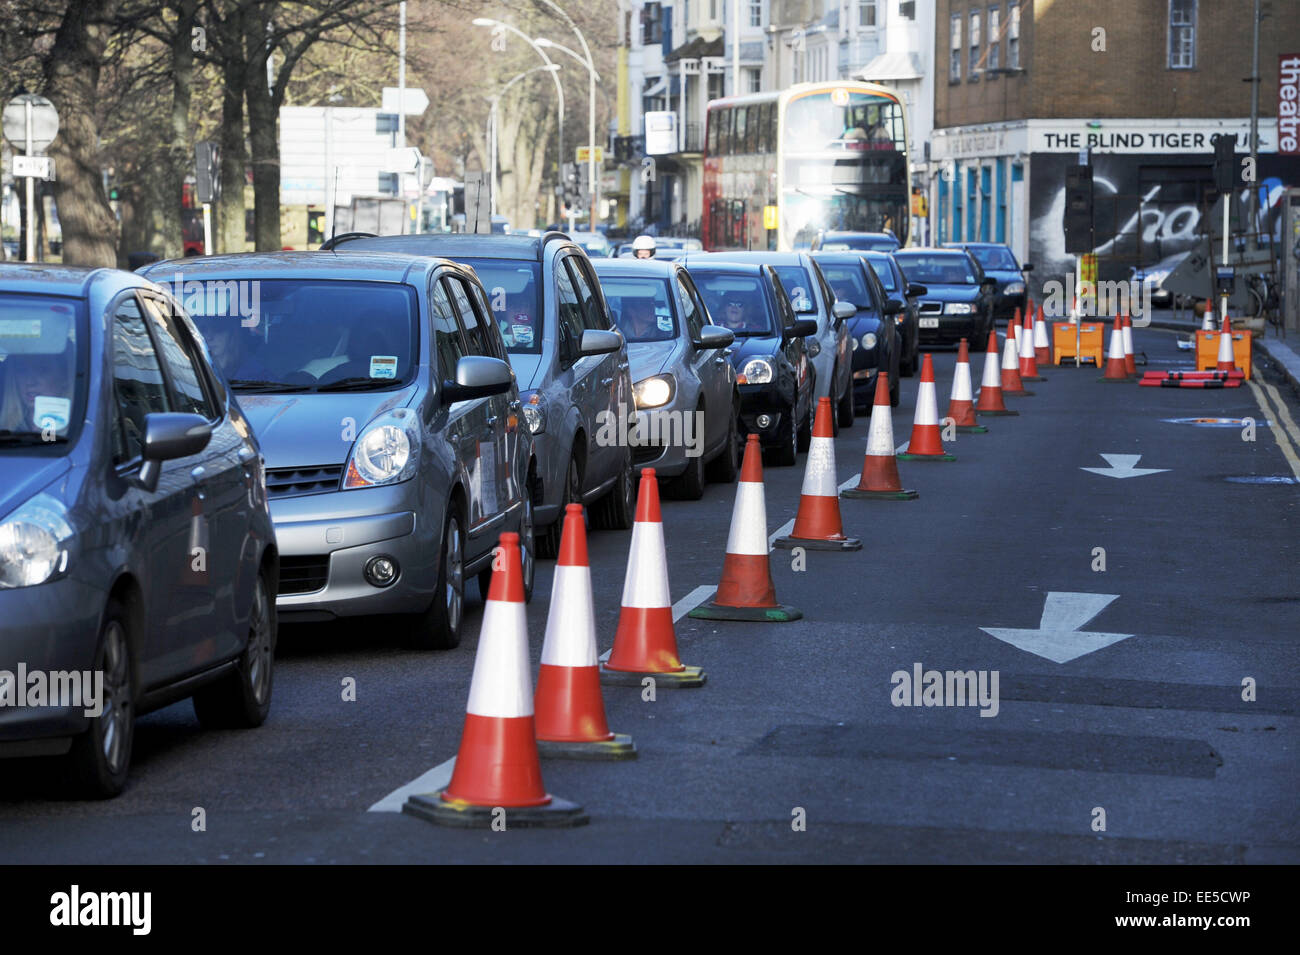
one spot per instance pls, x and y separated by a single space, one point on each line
52 412
383 366
665 322
20 328
523 334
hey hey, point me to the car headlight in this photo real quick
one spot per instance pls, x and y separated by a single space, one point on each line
757 371
869 340
386 452
958 308
34 543
814 348
1014 288
654 392
534 413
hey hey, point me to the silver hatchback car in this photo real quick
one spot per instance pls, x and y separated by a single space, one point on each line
395 440
687 398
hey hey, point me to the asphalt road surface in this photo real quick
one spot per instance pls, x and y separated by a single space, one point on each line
1145 731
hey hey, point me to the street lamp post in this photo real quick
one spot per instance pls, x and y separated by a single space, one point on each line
493 131
555 75
590 64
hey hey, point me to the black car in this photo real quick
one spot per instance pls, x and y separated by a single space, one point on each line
774 371
959 297
876 341
999 263
908 320
831 241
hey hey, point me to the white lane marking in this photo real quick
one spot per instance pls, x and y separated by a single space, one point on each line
1122 466
681 608
431 782
1058 637
845 485
1287 432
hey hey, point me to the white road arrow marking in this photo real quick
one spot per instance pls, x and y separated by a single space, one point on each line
1058 637
1121 466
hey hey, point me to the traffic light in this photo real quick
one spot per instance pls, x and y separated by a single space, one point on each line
1078 209
207 171
1225 161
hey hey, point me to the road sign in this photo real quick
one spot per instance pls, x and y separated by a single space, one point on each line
1058 637
416 100
45 122
404 159
584 154
34 167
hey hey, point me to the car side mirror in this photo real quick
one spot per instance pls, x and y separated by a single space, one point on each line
893 306
714 336
597 342
168 436
843 310
802 328
989 285
477 376
1026 267
916 288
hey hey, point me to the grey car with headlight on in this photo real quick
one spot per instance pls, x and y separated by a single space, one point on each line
392 428
687 399
138 563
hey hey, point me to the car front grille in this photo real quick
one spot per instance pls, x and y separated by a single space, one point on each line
303 575
295 482
931 308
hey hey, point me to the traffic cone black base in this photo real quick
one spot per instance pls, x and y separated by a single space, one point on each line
620 747
972 429
790 543
904 456
857 495
557 814
673 679
777 614
992 414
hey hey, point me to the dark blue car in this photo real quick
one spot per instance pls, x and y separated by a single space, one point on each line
999 263
958 302
876 342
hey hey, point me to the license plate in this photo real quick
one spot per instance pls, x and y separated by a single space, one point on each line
929 323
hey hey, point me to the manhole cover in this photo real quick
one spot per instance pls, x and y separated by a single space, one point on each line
1264 479
1215 422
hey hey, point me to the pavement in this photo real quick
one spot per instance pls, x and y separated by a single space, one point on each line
1111 527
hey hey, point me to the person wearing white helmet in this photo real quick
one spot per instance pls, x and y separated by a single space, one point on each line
643 247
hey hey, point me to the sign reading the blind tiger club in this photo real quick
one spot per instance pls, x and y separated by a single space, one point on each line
1288 104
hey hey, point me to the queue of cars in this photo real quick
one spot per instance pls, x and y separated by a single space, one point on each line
309 436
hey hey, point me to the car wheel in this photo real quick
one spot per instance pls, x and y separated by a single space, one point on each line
724 468
844 412
242 699
788 452
101 757
438 628
548 545
617 509
806 429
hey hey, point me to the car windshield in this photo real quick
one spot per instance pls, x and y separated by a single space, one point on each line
307 334
849 285
995 257
41 396
884 271
734 301
937 268
641 308
512 290
864 242
798 285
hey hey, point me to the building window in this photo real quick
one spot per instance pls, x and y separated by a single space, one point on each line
1182 34
753 79
974 68
1013 36
867 13
755 13
907 9
652 25
954 59
995 41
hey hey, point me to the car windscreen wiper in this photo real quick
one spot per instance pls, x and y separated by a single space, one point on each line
260 385
30 437
357 383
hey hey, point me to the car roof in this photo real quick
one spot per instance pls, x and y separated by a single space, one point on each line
720 261
840 233
981 245
456 244
929 250
752 255
355 266
660 268
40 279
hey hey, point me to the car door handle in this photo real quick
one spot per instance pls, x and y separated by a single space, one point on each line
720 360
197 472
622 366
607 381
247 454
491 422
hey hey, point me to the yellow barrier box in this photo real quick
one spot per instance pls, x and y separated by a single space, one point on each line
1090 336
1207 350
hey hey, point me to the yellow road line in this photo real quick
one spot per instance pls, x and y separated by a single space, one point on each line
1286 427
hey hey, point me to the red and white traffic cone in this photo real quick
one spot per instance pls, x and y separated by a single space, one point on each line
497 767
1025 344
880 481
645 643
1130 359
1042 343
746 591
961 406
1011 383
1227 359
990 397
925 443
1207 321
817 525
1116 369
570 709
